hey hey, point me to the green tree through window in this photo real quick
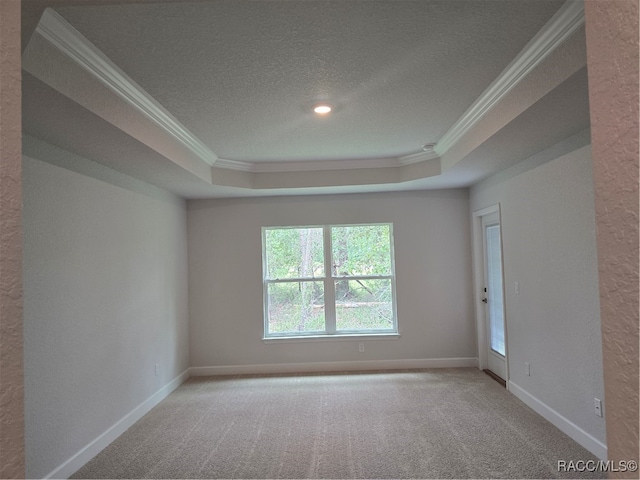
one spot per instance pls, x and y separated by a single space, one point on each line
328 280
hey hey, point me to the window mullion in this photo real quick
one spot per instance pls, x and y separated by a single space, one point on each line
329 284
369 309
293 280
363 277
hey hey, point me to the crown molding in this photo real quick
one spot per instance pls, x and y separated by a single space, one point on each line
306 165
320 165
59 33
417 158
561 26
235 165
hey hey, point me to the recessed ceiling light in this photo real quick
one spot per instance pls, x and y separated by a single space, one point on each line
322 108
428 147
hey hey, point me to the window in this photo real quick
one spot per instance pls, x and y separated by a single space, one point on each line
328 280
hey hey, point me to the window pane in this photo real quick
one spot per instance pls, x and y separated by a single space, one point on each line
364 305
294 253
361 250
496 306
296 307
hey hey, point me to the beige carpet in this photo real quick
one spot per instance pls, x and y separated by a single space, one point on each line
444 423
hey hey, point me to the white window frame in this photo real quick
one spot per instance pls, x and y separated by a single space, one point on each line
329 280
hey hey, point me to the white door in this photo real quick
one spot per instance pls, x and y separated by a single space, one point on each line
494 296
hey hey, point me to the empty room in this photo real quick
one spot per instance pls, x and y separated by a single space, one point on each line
320 239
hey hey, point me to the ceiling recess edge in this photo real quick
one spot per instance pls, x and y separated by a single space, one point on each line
302 166
568 19
59 33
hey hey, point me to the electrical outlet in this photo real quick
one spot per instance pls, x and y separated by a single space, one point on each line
597 404
361 347
527 369
157 369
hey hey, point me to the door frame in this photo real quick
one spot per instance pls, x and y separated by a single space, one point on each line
478 286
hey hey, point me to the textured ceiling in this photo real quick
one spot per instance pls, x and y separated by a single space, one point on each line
241 77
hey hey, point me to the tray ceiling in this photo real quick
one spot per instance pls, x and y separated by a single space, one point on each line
213 98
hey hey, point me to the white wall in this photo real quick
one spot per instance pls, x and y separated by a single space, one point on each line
433 269
105 299
549 247
105 268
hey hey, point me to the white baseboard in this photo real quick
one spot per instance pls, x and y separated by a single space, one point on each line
585 439
96 446
335 366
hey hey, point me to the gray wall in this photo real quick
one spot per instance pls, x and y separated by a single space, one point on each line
105 289
433 269
106 296
549 247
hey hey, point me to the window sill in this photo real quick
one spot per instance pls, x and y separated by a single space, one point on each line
334 337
